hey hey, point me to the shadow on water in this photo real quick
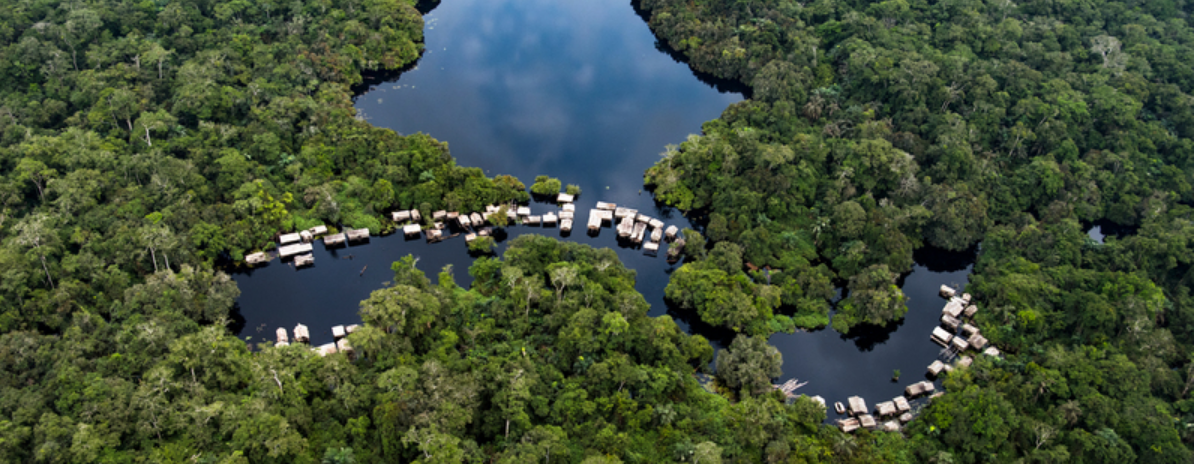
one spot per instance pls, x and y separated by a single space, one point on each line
941 260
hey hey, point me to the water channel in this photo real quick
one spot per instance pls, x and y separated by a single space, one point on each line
583 92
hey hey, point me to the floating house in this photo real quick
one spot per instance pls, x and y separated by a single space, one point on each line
670 232
607 206
566 225
935 368
941 336
411 230
549 219
302 335
951 323
280 335
289 238
355 235
256 258
902 404
564 198
848 425
886 408
304 260
857 405
335 239
946 291
294 250
338 332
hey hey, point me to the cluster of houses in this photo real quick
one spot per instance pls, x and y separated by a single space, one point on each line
634 227
298 245
303 335
956 317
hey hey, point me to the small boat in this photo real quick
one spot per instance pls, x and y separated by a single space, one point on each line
839 408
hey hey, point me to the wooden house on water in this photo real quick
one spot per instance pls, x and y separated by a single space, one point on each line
302 335
902 404
326 349
651 248
819 400
289 238
304 260
566 225
254 259
411 230
951 323
607 206
564 198
867 421
946 291
848 425
280 335
637 234
595 221
294 250
977 341
935 368
569 207
886 408
656 224
549 219
919 388
891 426
343 346
670 232
335 239
532 220
626 227
356 235
941 336
318 230
476 219
338 332
857 405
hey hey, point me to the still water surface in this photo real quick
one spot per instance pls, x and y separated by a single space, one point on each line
580 91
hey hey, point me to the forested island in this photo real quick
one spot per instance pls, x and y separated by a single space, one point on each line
147 147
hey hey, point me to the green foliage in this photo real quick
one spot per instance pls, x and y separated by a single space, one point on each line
873 298
721 293
482 245
749 365
546 186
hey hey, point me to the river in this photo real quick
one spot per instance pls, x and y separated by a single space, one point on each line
583 92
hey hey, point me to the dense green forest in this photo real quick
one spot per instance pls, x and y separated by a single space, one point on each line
876 128
143 142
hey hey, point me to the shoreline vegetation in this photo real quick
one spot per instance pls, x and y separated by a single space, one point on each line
878 128
140 143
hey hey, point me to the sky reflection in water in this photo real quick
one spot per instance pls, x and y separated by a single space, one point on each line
576 90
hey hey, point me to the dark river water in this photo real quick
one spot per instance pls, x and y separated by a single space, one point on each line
583 92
